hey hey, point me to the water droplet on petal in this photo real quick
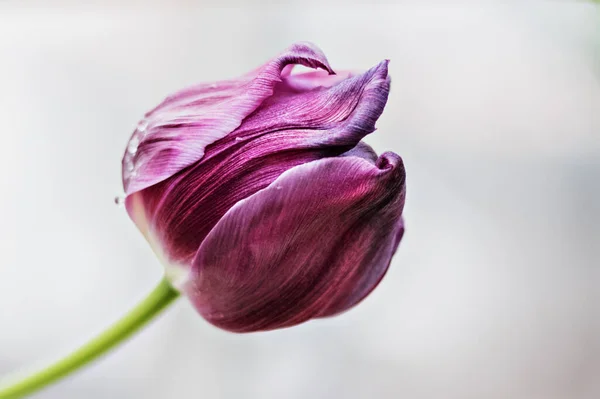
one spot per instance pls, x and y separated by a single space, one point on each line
133 144
213 86
120 200
278 187
142 126
238 138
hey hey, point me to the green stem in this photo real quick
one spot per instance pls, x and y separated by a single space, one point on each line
145 311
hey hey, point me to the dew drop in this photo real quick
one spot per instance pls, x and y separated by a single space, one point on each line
133 144
120 200
213 86
278 187
238 138
142 126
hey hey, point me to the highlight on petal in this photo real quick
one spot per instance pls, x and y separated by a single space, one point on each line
312 244
175 134
288 129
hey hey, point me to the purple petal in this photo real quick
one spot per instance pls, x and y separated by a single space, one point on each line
175 134
180 211
312 244
290 128
341 114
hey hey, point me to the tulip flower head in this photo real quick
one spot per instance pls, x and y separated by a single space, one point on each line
259 197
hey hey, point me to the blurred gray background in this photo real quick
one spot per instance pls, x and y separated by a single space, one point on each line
495 108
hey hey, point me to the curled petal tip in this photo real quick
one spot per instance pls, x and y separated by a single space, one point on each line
390 160
372 90
309 55
381 69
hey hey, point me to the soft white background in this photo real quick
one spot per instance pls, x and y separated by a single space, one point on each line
495 109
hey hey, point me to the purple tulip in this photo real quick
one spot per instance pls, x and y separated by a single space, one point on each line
259 197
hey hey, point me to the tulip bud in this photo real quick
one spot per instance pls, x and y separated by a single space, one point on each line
259 197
